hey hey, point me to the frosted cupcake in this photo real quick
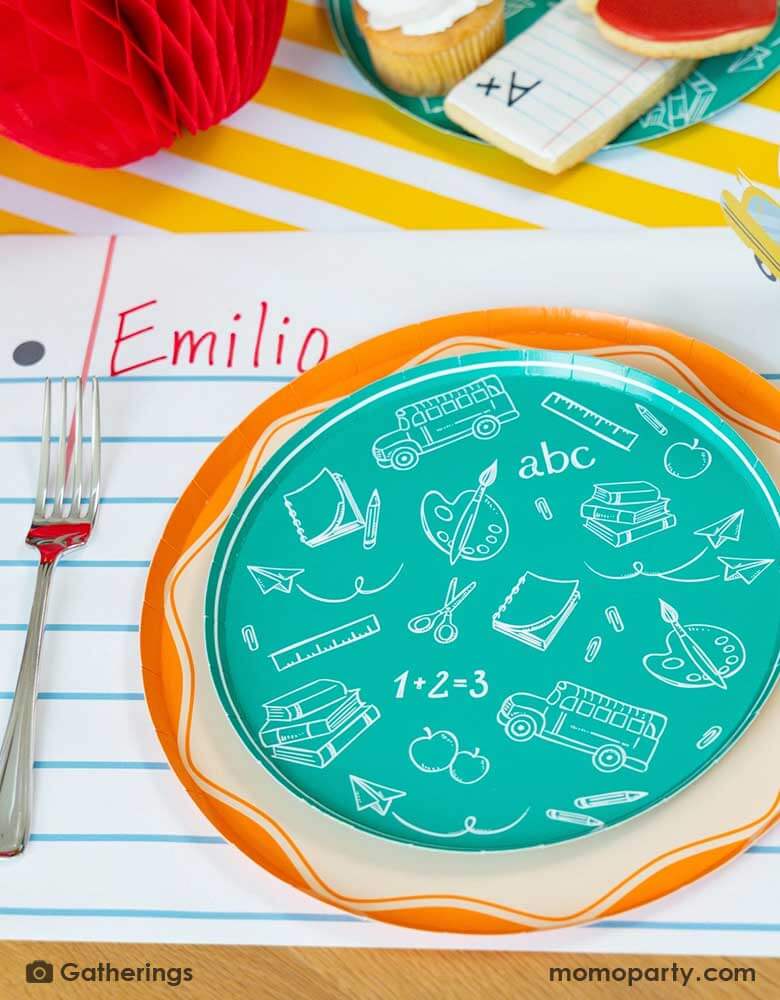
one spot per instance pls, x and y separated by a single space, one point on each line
424 47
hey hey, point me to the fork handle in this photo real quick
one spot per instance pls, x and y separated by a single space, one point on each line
16 754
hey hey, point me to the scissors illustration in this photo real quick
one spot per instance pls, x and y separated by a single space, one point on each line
440 621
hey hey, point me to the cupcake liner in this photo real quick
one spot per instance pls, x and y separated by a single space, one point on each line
449 57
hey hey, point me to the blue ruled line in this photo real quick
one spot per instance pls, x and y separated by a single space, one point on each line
672 925
81 695
68 627
57 911
82 563
101 765
29 501
122 439
125 838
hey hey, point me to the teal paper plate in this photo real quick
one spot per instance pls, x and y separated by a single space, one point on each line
716 84
499 601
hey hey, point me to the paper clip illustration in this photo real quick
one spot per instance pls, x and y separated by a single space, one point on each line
249 636
613 617
543 508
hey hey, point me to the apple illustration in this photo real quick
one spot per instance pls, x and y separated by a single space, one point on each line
469 766
433 752
686 461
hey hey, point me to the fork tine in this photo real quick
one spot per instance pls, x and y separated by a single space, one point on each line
75 504
43 465
94 477
59 488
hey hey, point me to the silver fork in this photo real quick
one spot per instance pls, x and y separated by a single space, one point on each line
51 534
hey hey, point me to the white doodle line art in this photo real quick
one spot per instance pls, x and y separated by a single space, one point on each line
593 649
323 509
695 656
743 568
440 621
270 578
359 589
249 636
687 461
543 508
473 526
372 795
371 527
751 60
469 826
621 734
612 614
476 409
651 420
325 642
576 819
725 529
708 736
638 569
623 513
603 799
438 751
590 421
545 604
316 722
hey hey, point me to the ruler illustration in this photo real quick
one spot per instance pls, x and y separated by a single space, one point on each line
590 421
325 642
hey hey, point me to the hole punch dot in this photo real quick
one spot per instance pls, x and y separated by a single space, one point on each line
29 352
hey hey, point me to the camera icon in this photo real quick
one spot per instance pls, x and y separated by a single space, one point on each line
39 972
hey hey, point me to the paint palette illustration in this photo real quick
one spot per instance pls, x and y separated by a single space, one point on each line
494 602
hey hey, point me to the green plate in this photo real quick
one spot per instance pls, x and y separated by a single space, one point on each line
716 84
498 601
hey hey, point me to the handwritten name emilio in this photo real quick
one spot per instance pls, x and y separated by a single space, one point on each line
254 340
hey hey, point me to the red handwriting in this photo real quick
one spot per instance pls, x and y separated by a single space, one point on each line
257 342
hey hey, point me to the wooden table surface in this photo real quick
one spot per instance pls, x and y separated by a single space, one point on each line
220 973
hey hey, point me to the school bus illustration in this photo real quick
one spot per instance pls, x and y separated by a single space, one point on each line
615 733
476 409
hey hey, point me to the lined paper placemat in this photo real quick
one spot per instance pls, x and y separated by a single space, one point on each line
196 332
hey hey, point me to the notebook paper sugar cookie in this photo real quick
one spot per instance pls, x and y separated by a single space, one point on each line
559 91
482 677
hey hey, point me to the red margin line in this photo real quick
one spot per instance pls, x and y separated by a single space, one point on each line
98 307
93 330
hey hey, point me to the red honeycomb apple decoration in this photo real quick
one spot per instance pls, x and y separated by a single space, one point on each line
105 82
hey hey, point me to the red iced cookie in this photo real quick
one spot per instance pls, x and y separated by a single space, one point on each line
684 29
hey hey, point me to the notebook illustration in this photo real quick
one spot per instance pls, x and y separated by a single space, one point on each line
536 609
323 509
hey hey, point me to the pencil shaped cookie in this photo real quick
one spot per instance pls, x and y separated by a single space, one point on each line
683 29
559 92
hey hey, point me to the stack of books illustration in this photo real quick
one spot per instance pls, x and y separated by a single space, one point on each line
324 509
621 513
314 723
536 608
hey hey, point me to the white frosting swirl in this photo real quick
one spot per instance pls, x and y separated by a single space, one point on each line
418 17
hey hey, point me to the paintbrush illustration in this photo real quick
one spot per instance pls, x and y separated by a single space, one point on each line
694 651
460 537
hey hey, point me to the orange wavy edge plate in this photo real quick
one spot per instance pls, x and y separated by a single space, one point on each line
204 500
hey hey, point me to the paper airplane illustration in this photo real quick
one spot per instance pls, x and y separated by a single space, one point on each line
370 795
270 578
727 529
743 568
